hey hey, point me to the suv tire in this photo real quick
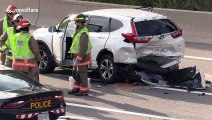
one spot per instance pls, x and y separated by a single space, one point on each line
107 69
46 64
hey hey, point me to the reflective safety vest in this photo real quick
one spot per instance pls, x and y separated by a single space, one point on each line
21 48
5 23
75 47
9 43
4 28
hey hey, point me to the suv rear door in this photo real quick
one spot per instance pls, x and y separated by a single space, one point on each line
165 38
98 27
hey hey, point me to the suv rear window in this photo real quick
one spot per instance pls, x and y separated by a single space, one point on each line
155 27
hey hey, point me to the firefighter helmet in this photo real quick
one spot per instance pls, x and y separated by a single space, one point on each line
17 18
81 18
23 24
11 9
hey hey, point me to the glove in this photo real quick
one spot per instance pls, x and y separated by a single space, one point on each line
76 62
7 52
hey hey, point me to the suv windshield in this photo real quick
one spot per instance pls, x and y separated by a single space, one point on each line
13 80
155 27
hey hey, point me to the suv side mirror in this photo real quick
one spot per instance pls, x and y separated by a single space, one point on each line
52 29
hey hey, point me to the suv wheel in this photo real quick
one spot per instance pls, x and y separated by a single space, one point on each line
106 69
46 64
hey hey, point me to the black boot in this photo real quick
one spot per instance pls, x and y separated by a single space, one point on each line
73 91
80 93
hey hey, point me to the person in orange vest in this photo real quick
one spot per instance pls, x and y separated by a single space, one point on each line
8 38
5 23
81 50
26 53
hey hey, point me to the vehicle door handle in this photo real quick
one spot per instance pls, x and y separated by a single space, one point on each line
61 36
101 37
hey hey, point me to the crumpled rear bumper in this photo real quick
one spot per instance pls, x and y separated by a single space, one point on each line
188 78
154 75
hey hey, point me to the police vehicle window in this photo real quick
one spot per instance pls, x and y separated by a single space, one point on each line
13 80
63 24
115 25
155 27
98 24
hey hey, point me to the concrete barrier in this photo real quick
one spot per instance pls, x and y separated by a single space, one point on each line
197 26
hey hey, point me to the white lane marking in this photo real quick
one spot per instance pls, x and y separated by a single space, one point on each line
122 111
198 58
73 118
181 90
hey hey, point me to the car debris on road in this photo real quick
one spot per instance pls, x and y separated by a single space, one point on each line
187 78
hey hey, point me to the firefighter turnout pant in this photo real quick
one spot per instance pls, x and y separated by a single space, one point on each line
32 72
3 58
8 63
80 76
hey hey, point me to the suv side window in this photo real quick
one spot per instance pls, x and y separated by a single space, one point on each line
115 25
98 24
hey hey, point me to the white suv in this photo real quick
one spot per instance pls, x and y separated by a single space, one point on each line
123 40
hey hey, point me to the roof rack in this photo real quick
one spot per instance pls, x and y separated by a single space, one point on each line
145 8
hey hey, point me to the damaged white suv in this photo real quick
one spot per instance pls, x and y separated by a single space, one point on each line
123 41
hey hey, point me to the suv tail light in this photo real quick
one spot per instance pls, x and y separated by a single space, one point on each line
177 34
12 105
131 37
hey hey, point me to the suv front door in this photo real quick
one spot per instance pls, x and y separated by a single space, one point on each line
58 40
67 42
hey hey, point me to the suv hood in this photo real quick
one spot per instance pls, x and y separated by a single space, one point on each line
41 30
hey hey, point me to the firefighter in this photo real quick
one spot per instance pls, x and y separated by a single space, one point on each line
5 23
8 38
81 50
26 52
